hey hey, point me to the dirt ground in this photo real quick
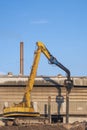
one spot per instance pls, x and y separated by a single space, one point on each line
32 127
74 126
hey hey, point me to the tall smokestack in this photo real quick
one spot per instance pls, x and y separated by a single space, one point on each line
21 58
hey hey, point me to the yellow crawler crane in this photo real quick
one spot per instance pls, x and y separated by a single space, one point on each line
25 108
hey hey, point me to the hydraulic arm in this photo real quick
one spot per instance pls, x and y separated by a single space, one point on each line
41 49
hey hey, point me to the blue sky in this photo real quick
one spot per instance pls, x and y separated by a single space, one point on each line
60 24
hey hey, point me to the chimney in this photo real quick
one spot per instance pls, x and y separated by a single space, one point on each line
21 58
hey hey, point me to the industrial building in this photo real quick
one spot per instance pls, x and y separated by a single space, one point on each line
12 90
